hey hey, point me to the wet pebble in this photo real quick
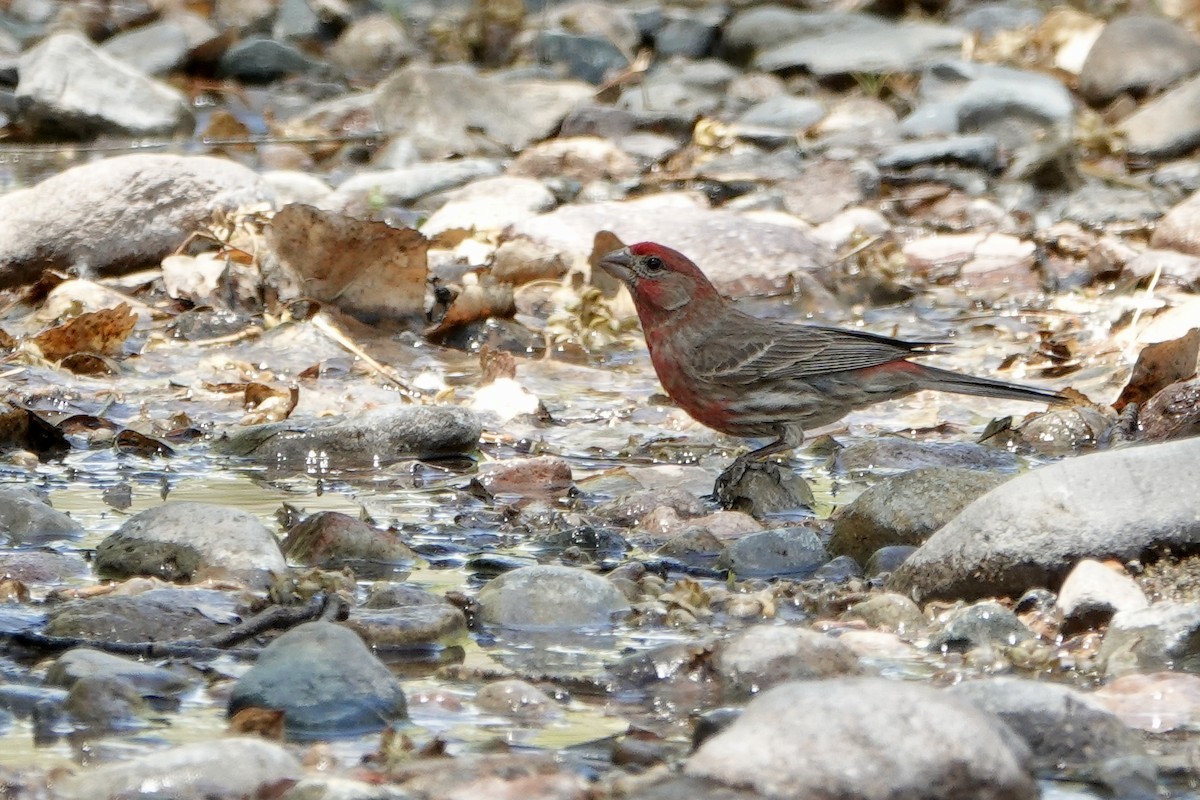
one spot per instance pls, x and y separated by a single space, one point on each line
892 453
325 680
515 698
1162 636
984 624
887 560
159 615
332 540
766 655
27 519
406 618
230 767
490 204
545 596
82 662
776 553
543 475
1113 66
888 611
105 703
906 509
762 487
866 738
1157 702
190 542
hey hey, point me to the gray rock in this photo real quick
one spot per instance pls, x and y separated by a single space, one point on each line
332 787
739 254
982 152
192 542
779 552
839 570
402 617
104 703
784 112
689 35
1097 205
628 509
296 19
874 46
490 204
406 185
1070 734
984 624
1031 530
153 49
546 597
69 88
888 611
887 559
325 680
118 214
378 436
586 57
332 540
159 615
1172 413
453 110
26 519
1167 126
82 662
258 60
1165 636
371 46
1093 592
232 767
761 487
767 655
867 739
1140 54
991 18
768 25
42 566
906 509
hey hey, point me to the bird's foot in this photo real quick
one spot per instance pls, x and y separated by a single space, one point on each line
761 487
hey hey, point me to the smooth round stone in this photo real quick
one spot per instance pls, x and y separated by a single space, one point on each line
332 540
27 519
514 698
792 552
192 542
82 662
325 680
889 611
402 617
159 615
766 655
888 559
983 624
544 596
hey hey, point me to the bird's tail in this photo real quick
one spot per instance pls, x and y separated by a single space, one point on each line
945 381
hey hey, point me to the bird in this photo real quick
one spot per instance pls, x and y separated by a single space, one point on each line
751 377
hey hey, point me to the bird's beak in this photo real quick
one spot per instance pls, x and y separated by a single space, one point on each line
619 264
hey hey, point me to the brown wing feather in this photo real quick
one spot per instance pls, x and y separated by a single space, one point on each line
795 351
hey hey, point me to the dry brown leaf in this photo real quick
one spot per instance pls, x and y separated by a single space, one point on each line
264 722
100 332
604 243
368 269
475 302
269 403
496 364
7 343
1159 365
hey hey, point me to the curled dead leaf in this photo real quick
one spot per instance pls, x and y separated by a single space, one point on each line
476 301
1159 365
99 332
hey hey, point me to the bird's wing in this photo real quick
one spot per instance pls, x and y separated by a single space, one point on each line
782 350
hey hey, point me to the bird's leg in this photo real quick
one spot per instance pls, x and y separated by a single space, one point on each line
790 437
726 490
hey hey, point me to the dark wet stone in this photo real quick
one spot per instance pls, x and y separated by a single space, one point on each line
1140 54
906 740
160 615
598 542
26 519
1065 431
887 559
1031 530
761 487
981 152
104 702
696 547
991 18
628 509
839 570
110 214
984 624
785 112
1167 126
762 27
766 655
1092 593
870 45
888 611
332 540
542 475
546 596
906 509
403 617
21 700
365 439
192 542
83 662
515 698
258 60
229 767
1173 413
775 553
153 49
690 35
1165 636
69 88
893 453
1070 734
588 58
325 680
1097 205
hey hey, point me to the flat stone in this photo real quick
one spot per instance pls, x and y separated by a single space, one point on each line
546 597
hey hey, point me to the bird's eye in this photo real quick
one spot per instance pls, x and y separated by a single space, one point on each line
654 263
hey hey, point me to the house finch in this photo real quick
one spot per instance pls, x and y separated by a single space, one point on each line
747 376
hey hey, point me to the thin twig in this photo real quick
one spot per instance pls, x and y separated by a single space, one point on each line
326 326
